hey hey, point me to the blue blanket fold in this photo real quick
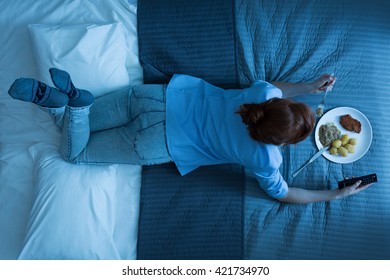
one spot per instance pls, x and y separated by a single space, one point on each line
198 216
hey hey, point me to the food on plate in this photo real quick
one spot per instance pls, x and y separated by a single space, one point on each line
352 141
342 151
350 148
338 132
350 124
344 139
343 146
328 132
336 143
333 151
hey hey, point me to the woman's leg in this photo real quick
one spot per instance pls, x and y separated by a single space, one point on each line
75 132
111 110
126 127
80 145
125 105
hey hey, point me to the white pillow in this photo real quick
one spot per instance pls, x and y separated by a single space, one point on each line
73 214
94 55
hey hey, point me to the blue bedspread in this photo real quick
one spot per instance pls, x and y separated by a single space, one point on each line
198 216
187 37
297 41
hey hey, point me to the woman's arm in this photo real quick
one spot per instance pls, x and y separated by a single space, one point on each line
298 195
291 89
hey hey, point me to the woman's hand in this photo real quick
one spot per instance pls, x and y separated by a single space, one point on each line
351 190
291 89
298 195
322 83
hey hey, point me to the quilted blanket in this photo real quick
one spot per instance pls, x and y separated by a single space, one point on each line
198 216
187 37
297 41
292 41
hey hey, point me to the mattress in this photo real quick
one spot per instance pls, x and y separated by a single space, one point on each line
50 209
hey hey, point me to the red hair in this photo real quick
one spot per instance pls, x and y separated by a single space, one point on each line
278 121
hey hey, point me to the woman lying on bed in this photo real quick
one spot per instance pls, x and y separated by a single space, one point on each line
188 121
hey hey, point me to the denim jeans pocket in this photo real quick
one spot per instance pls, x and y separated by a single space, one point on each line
150 143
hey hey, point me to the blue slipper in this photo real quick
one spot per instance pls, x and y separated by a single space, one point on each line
34 91
77 97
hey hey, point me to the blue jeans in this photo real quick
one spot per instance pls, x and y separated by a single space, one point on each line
127 126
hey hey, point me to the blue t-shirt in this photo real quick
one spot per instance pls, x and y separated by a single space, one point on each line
203 128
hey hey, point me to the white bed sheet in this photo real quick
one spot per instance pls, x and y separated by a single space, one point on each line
40 194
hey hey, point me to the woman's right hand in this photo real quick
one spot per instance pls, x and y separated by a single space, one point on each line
322 83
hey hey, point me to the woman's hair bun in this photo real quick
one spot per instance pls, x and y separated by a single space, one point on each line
278 121
251 114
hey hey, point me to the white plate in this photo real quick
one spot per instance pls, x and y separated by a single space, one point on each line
364 138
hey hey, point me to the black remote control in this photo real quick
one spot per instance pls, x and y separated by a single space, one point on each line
367 179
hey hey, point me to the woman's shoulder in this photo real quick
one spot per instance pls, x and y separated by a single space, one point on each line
265 90
263 157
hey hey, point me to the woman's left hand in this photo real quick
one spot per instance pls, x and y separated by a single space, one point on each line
351 190
322 83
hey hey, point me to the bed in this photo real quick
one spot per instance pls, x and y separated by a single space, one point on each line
50 209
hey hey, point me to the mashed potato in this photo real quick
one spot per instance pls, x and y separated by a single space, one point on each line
328 132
